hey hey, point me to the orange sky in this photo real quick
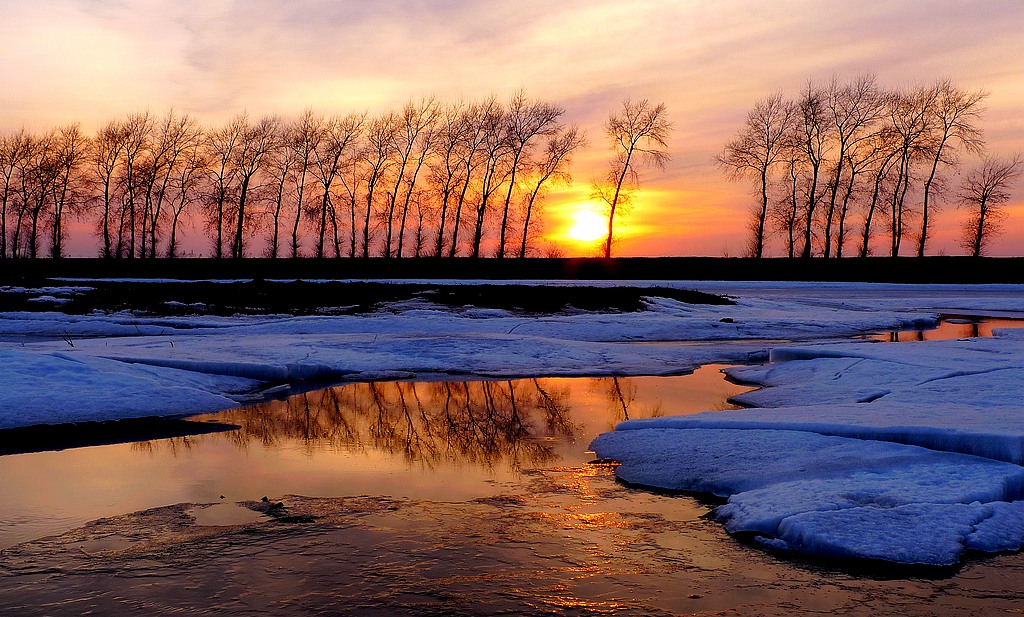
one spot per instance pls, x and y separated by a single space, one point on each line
94 60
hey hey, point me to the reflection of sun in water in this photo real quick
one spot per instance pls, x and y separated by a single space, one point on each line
588 226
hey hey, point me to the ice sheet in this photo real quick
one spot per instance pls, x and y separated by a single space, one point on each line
877 497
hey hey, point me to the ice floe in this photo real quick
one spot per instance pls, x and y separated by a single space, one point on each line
907 453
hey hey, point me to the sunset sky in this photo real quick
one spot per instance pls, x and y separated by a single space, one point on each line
95 60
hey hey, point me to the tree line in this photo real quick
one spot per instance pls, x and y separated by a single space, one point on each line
848 164
432 178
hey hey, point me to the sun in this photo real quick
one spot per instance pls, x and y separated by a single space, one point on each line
588 226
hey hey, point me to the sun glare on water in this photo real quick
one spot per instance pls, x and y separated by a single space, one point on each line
588 226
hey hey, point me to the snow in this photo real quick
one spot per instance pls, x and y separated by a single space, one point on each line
955 395
402 339
909 453
60 387
833 496
904 452
424 339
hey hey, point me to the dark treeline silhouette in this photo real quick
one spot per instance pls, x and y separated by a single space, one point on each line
433 178
844 163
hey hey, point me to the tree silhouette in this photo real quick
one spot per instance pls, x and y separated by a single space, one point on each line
756 150
552 166
984 192
951 119
526 121
636 133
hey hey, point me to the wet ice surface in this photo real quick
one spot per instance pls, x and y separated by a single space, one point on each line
567 541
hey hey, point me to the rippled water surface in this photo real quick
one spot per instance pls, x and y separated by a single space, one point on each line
431 440
464 497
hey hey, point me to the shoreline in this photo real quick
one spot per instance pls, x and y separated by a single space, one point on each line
929 270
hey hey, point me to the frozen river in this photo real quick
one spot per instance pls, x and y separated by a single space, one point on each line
884 441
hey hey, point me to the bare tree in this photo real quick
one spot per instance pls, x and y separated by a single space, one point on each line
445 173
139 177
883 156
637 134
71 147
305 138
351 177
413 132
951 120
13 151
983 193
908 113
756 150
138 128
526 121
495 168
338 136
553 165
423 136
376 158
254 149
814 131
473 155
853 110
785 213
221 144
39 175
186 183
106 154
280 168
175 134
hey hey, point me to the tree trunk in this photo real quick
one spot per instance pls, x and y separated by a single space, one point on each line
615 202
237 248
759 241
979 235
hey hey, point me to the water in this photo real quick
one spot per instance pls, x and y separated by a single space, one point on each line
448 441
949 327
421 498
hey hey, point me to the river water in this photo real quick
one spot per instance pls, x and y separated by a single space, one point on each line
431 497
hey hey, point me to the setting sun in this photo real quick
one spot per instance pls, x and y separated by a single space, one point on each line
588 226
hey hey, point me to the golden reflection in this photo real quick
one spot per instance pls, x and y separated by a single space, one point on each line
511 424
948 328
621 394
459 440
481 423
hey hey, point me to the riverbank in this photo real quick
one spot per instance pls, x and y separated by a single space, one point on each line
939 269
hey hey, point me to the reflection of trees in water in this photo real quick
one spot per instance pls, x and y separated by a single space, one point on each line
481 422
176 445
621 393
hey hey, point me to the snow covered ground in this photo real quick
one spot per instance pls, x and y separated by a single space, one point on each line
907 453
60 368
